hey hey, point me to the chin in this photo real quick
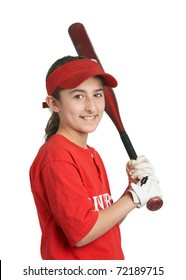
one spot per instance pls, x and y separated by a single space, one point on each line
88 130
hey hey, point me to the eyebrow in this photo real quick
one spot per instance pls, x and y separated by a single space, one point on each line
82 90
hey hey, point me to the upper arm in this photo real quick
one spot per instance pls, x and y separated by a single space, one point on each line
68 200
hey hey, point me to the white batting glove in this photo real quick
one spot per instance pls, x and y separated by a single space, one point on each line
143 184
140 168
144 190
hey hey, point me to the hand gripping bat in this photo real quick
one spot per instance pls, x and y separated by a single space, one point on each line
85 48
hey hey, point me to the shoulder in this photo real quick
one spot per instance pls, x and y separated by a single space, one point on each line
55 149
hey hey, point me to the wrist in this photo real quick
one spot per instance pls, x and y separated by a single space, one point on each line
129 196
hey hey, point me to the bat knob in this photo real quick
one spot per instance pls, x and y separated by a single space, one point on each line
154 204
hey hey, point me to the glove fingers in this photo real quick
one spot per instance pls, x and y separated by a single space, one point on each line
144 170
137 161
133 163
143 165
139 174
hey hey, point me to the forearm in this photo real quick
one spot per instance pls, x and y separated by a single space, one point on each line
108 218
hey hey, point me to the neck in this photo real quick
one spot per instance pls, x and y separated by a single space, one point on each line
76 137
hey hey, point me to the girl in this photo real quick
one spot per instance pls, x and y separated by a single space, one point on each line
78 219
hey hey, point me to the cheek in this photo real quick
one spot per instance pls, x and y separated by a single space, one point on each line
69 111
101 105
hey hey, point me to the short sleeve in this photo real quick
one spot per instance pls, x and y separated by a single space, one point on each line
68 199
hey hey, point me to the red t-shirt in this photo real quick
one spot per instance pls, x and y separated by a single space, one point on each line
70 186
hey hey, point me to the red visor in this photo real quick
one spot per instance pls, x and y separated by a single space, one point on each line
72 74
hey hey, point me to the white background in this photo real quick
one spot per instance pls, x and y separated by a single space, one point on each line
142 43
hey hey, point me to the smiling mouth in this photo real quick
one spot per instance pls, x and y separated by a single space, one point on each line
89 117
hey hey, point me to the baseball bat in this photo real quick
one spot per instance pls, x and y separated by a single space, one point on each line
84 47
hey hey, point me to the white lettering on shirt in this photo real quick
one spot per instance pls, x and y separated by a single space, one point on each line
102 201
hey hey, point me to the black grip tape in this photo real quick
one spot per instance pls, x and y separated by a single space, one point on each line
128 145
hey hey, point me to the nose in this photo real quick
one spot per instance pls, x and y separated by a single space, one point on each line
90 105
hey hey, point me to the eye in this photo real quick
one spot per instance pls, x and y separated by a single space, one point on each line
98 94
78 96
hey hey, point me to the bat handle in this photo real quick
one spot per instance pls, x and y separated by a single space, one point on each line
128 145
154 203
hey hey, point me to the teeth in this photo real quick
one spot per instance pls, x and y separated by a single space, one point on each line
89 118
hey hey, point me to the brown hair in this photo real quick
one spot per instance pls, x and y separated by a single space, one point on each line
53 122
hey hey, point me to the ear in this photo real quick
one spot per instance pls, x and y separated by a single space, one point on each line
53 103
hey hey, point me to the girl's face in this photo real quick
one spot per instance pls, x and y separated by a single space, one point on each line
81 108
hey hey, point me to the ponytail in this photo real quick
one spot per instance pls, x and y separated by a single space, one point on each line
52 126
